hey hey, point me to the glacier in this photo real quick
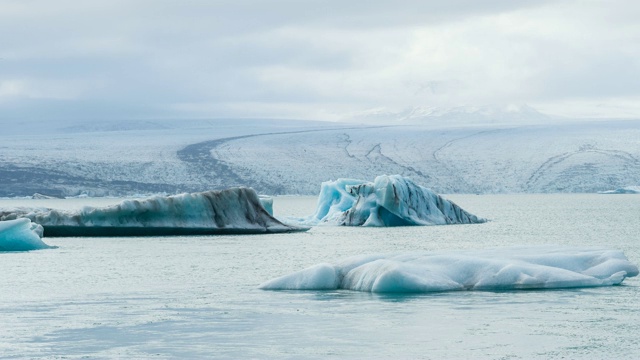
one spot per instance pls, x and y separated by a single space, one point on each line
517 268
390 200
21 235
231 211
188 156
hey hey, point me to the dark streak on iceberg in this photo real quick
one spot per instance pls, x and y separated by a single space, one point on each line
231 211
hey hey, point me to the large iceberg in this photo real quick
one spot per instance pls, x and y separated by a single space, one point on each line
231 211
499 269
388 201
21 235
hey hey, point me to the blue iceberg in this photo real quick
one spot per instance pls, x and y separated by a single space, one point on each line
624 190
499 269
231 211
21 235
388 201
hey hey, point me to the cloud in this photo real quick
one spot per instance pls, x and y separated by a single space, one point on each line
313 59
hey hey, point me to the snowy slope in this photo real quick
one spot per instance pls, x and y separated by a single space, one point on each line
565 158
458 115
293 157
105 159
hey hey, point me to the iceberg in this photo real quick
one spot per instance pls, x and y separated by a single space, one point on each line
624 190
391 200
21 235
550 267
231 211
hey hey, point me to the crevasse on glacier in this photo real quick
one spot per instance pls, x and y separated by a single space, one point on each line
231 211
391 200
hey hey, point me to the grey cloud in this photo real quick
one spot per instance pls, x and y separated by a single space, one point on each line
138 58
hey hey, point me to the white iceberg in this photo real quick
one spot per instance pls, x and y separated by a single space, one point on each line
498 269
388 201
231 211
624 190
21 235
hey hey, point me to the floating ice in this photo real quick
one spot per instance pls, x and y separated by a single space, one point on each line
21 235
499 269
388 201
231 211
624 190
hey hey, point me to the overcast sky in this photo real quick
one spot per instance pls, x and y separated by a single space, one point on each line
123 59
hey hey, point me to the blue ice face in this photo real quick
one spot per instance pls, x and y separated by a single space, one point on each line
20 235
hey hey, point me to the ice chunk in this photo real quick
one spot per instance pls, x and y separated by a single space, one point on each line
499 269
43 197
388 201
624 190
21 235
231 211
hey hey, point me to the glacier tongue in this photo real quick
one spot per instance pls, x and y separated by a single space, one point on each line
516 268
21 235
231 211
391 200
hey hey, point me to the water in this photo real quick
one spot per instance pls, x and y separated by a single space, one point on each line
197 297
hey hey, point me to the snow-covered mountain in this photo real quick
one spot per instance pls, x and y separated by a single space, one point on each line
294 157
448 116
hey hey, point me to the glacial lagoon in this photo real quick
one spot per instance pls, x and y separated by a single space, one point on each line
198 296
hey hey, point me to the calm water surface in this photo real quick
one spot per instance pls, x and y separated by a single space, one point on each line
197 297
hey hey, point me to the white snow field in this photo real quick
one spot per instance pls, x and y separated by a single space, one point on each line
21 235
293 157
548 267
230 211
569 157
390 200
126 158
